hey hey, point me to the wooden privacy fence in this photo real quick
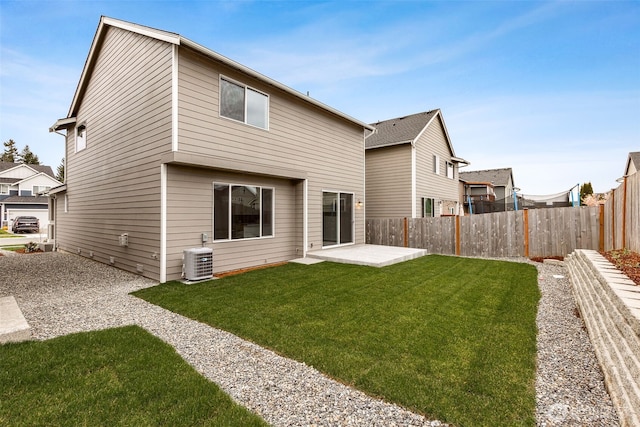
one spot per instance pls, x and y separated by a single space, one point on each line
622 216
525 233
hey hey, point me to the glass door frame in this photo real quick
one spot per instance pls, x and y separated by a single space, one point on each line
338 219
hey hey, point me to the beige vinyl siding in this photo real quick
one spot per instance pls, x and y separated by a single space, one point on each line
190 213
113 185
389 182
434 142
301 136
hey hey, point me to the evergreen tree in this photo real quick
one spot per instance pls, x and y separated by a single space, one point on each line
27 157
60 171
10 152
585 190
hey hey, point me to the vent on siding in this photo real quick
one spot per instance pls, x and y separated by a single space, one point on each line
198 263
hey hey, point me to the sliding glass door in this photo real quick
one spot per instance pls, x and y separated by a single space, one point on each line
337 218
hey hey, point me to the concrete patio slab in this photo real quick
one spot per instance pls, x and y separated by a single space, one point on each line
307 261
13 325
371 255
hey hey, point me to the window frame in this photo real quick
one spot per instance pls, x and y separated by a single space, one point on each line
81 137
424 207
230 215
2 186
247 90
35 193
450 167
436 164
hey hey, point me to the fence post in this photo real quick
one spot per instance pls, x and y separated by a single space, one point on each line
406 232
525 214
624 212
613 219
457 234
601 234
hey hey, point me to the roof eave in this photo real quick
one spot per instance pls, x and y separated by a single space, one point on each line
62 124
179 40
391 144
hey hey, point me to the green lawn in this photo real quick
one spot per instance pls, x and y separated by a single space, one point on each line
116 377
452 338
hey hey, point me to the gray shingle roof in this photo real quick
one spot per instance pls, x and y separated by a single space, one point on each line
38 168
634 157
401 130
499 177
30 200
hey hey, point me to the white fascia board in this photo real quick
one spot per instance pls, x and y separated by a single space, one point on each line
38 175
7 173
143 30
62 124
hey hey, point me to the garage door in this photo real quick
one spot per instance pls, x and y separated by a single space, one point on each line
41 214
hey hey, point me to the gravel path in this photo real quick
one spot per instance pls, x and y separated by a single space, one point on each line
63 293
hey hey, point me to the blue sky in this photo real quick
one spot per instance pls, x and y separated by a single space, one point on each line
550 89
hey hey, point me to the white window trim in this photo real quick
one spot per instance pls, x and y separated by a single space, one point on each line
453 170
353 218
35 193
2 186
273 214
433 207
83 138
436 164
246 87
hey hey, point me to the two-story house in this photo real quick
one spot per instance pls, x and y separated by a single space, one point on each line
489 190
22 192
412 169
170 146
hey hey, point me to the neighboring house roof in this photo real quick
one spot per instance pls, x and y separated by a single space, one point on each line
4 166
406 130
498 177
177 40
400 130
634 157
26 200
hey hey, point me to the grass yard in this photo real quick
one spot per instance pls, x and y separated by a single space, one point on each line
452 338
123 376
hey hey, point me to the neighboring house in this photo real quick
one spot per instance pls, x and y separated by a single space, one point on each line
412 169
21 192
633 163
171 146
491 190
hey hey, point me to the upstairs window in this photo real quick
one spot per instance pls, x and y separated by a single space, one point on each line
81 138
4 189
436 164
37 189
244 104
428 207
450 170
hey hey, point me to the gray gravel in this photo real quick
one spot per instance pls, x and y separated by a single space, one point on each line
64 293
570 388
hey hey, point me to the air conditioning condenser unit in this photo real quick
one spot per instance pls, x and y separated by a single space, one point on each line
198 263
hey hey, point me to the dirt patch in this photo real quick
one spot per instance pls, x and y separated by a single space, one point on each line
24 251
626 261
541 259
244 270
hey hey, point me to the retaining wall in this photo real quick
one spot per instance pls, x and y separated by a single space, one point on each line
609 303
